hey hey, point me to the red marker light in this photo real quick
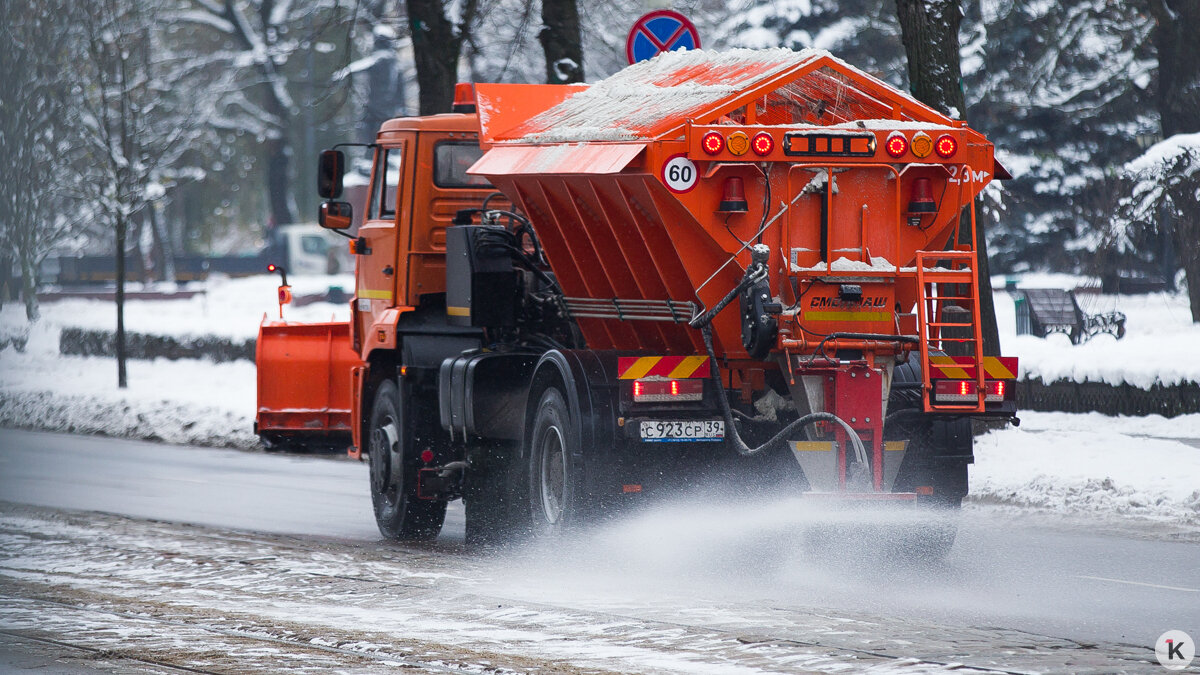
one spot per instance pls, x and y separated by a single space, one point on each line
712 143
668 391
896 145
427 456
945 146
762 144
271 267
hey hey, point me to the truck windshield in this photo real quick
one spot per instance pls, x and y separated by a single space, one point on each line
450 164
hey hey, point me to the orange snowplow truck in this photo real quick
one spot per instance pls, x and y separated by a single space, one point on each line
572 297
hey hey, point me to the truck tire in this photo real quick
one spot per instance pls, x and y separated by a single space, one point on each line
555 490
392 452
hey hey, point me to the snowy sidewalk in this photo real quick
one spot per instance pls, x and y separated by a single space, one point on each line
1088 464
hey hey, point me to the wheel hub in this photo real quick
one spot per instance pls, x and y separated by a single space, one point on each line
384 457
553 475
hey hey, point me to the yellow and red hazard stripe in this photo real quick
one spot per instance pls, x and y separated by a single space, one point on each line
963 367
670 367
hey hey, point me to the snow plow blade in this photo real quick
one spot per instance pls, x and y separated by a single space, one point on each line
304 383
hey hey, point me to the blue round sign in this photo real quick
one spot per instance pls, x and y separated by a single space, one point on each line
657 32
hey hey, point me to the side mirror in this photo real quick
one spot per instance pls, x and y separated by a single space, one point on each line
335 215
330 170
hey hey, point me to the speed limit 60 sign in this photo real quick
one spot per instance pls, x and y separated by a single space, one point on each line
679 173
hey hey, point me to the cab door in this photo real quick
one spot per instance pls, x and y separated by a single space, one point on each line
387 207
445 188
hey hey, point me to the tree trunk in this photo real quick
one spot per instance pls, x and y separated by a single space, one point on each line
561 41
436 46
929 30
1178 65
122 379
385 85
29 287
279 183
1178 103
1186 234
163 253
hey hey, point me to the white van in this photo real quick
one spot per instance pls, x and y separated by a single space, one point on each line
308 249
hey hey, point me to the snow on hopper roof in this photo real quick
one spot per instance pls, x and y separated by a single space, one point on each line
655 98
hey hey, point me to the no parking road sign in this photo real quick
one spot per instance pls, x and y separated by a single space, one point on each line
661 31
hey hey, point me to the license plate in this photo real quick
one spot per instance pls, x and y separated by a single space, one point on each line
662 431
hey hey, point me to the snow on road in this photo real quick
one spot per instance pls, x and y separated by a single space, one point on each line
219 600
1111 466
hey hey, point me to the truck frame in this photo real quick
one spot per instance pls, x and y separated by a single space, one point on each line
572 297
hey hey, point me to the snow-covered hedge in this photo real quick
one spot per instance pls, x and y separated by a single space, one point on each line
86 342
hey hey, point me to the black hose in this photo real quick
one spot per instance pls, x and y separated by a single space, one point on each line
755 273
740 445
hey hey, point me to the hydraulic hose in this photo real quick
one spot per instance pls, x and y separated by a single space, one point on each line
754 273
860 452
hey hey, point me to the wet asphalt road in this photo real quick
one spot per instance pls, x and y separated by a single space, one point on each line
1073 578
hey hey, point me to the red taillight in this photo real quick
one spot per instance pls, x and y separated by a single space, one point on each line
712 143
762 144
427 456
896 145
667 391
945 146
963 391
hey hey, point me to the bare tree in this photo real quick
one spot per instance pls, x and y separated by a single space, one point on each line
134 124
35 57
263 75
929 30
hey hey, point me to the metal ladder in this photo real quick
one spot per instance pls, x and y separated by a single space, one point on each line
947 279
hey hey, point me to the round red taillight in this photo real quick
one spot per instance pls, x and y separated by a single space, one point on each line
712 143
945 147
762 144
896 145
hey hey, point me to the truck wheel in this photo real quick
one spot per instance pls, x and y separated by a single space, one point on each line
392 454
554 491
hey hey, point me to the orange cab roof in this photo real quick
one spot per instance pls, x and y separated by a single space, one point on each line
442 122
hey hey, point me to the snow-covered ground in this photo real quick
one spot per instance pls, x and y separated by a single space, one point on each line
1159 345
1135 467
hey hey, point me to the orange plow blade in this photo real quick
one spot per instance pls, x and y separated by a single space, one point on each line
304 383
